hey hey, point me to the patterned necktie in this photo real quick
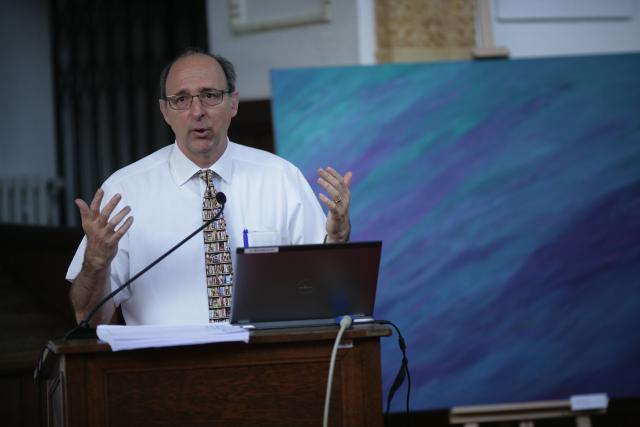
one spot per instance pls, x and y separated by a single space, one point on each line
217 255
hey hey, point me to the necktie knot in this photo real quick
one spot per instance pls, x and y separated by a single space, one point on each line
207 176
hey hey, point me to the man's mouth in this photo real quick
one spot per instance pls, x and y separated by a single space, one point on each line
200 131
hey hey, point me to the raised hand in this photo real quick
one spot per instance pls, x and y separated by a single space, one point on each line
337 201
103 234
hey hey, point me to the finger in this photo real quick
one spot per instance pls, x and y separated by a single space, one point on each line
109 207
340 183
82 207
331 189
337 192
123 229
333 207
338 208
330 178
97 200
119 216
347 179
334 173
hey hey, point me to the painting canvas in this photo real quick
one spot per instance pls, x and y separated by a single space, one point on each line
507 197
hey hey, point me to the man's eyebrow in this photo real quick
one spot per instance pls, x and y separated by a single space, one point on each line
200 90
180 92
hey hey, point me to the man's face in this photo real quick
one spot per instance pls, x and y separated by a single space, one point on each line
201 132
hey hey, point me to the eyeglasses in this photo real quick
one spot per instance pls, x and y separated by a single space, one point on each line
208 98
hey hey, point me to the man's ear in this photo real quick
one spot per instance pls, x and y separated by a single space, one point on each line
235 101
163 109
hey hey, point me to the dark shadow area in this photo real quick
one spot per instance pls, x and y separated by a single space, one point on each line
34 308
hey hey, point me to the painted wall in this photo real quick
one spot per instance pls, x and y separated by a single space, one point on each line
347 39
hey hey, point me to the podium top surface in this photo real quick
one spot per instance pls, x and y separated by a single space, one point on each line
264 336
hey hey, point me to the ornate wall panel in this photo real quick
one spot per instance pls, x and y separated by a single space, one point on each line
415 30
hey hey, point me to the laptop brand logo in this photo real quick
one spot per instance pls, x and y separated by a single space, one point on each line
305 286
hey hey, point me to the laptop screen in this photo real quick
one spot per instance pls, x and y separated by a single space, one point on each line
304 285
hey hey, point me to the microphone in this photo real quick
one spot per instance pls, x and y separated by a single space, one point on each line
84 331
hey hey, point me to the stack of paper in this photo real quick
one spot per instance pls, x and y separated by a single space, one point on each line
132 337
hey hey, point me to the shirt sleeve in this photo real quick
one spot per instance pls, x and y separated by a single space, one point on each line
308 222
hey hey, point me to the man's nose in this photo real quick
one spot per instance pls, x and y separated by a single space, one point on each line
196 108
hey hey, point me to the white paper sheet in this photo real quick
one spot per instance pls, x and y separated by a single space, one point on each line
145 336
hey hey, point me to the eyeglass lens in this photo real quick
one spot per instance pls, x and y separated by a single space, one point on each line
207 98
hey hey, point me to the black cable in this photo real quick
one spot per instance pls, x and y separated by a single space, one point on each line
402 372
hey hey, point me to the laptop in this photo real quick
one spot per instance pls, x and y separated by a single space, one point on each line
304 285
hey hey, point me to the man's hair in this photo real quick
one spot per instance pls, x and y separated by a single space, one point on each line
227 67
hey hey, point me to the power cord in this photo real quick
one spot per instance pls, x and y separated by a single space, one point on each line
345 323
402 372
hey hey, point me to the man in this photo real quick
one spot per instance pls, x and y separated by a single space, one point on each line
268 203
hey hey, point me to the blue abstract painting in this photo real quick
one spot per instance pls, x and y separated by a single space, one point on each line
507 197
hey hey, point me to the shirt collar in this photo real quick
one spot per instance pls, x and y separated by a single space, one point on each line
182 168
223 166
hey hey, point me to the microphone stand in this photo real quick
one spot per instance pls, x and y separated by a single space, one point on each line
84 330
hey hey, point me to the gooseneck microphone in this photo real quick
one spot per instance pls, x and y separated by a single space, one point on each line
84 330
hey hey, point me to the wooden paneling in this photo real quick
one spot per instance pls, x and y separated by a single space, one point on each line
253 125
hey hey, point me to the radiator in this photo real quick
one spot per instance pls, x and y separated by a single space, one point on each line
30 200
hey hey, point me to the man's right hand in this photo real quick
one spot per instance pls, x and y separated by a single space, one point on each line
92 283
102 235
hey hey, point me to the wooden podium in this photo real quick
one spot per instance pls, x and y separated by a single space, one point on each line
277 379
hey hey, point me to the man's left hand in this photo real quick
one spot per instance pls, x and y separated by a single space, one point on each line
337 201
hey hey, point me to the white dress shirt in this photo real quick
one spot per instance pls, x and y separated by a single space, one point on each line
266 195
